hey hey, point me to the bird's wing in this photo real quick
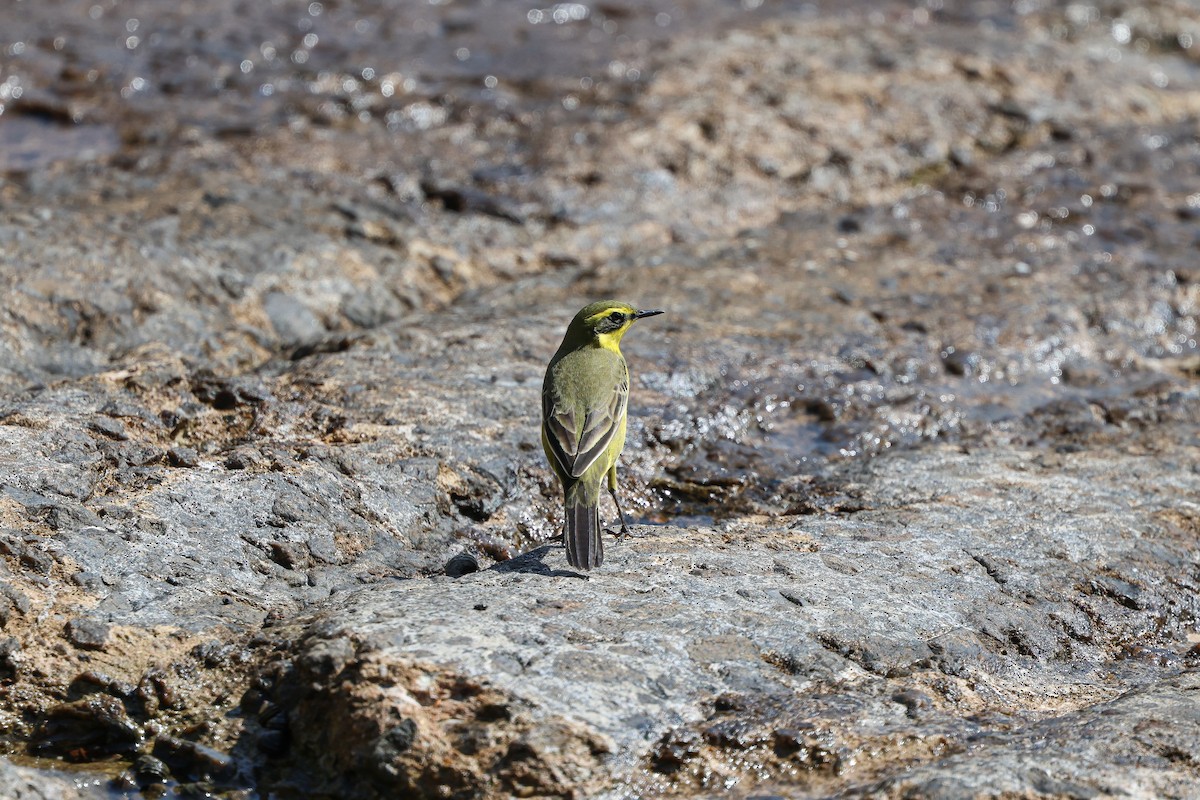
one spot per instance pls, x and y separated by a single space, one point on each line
576 443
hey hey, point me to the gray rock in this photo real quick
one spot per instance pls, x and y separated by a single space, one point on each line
183 457
1085 754
111 428
27 554
677 661
293 322
87 634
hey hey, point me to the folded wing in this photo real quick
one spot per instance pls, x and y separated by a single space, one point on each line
578 436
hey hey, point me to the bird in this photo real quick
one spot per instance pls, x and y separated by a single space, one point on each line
584 399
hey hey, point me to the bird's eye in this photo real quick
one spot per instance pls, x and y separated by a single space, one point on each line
617 317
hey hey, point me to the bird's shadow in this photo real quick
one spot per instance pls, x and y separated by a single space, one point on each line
532 562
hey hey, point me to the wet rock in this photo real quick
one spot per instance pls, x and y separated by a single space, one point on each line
674 749
86 729
327 301
473 492
191 760
960 362
788 741
157 690
91 681
150 774
272 744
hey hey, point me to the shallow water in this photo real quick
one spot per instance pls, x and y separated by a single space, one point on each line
167 72
233 68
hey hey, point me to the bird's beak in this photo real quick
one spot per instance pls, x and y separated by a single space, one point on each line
640 314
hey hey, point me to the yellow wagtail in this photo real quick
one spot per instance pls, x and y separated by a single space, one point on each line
584 397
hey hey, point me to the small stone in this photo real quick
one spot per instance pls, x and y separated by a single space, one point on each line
243 458
327 657
733 734
962 363
183 457
1127 594
106 426
87 634
150 770
395 741
289 511
463 563
191 760
157 690
293 322
790 740
848 224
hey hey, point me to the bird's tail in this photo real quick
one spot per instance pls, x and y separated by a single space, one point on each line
585 548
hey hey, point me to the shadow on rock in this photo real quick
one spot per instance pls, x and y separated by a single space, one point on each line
532 563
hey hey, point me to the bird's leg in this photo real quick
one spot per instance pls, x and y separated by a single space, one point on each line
612 489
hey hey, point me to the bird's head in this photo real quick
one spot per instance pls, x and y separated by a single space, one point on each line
605 322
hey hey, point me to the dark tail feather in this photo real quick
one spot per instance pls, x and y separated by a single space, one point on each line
585 549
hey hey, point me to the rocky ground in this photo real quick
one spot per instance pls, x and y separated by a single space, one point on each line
913 453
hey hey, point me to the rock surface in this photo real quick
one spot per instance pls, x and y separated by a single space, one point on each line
925 643
912 454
